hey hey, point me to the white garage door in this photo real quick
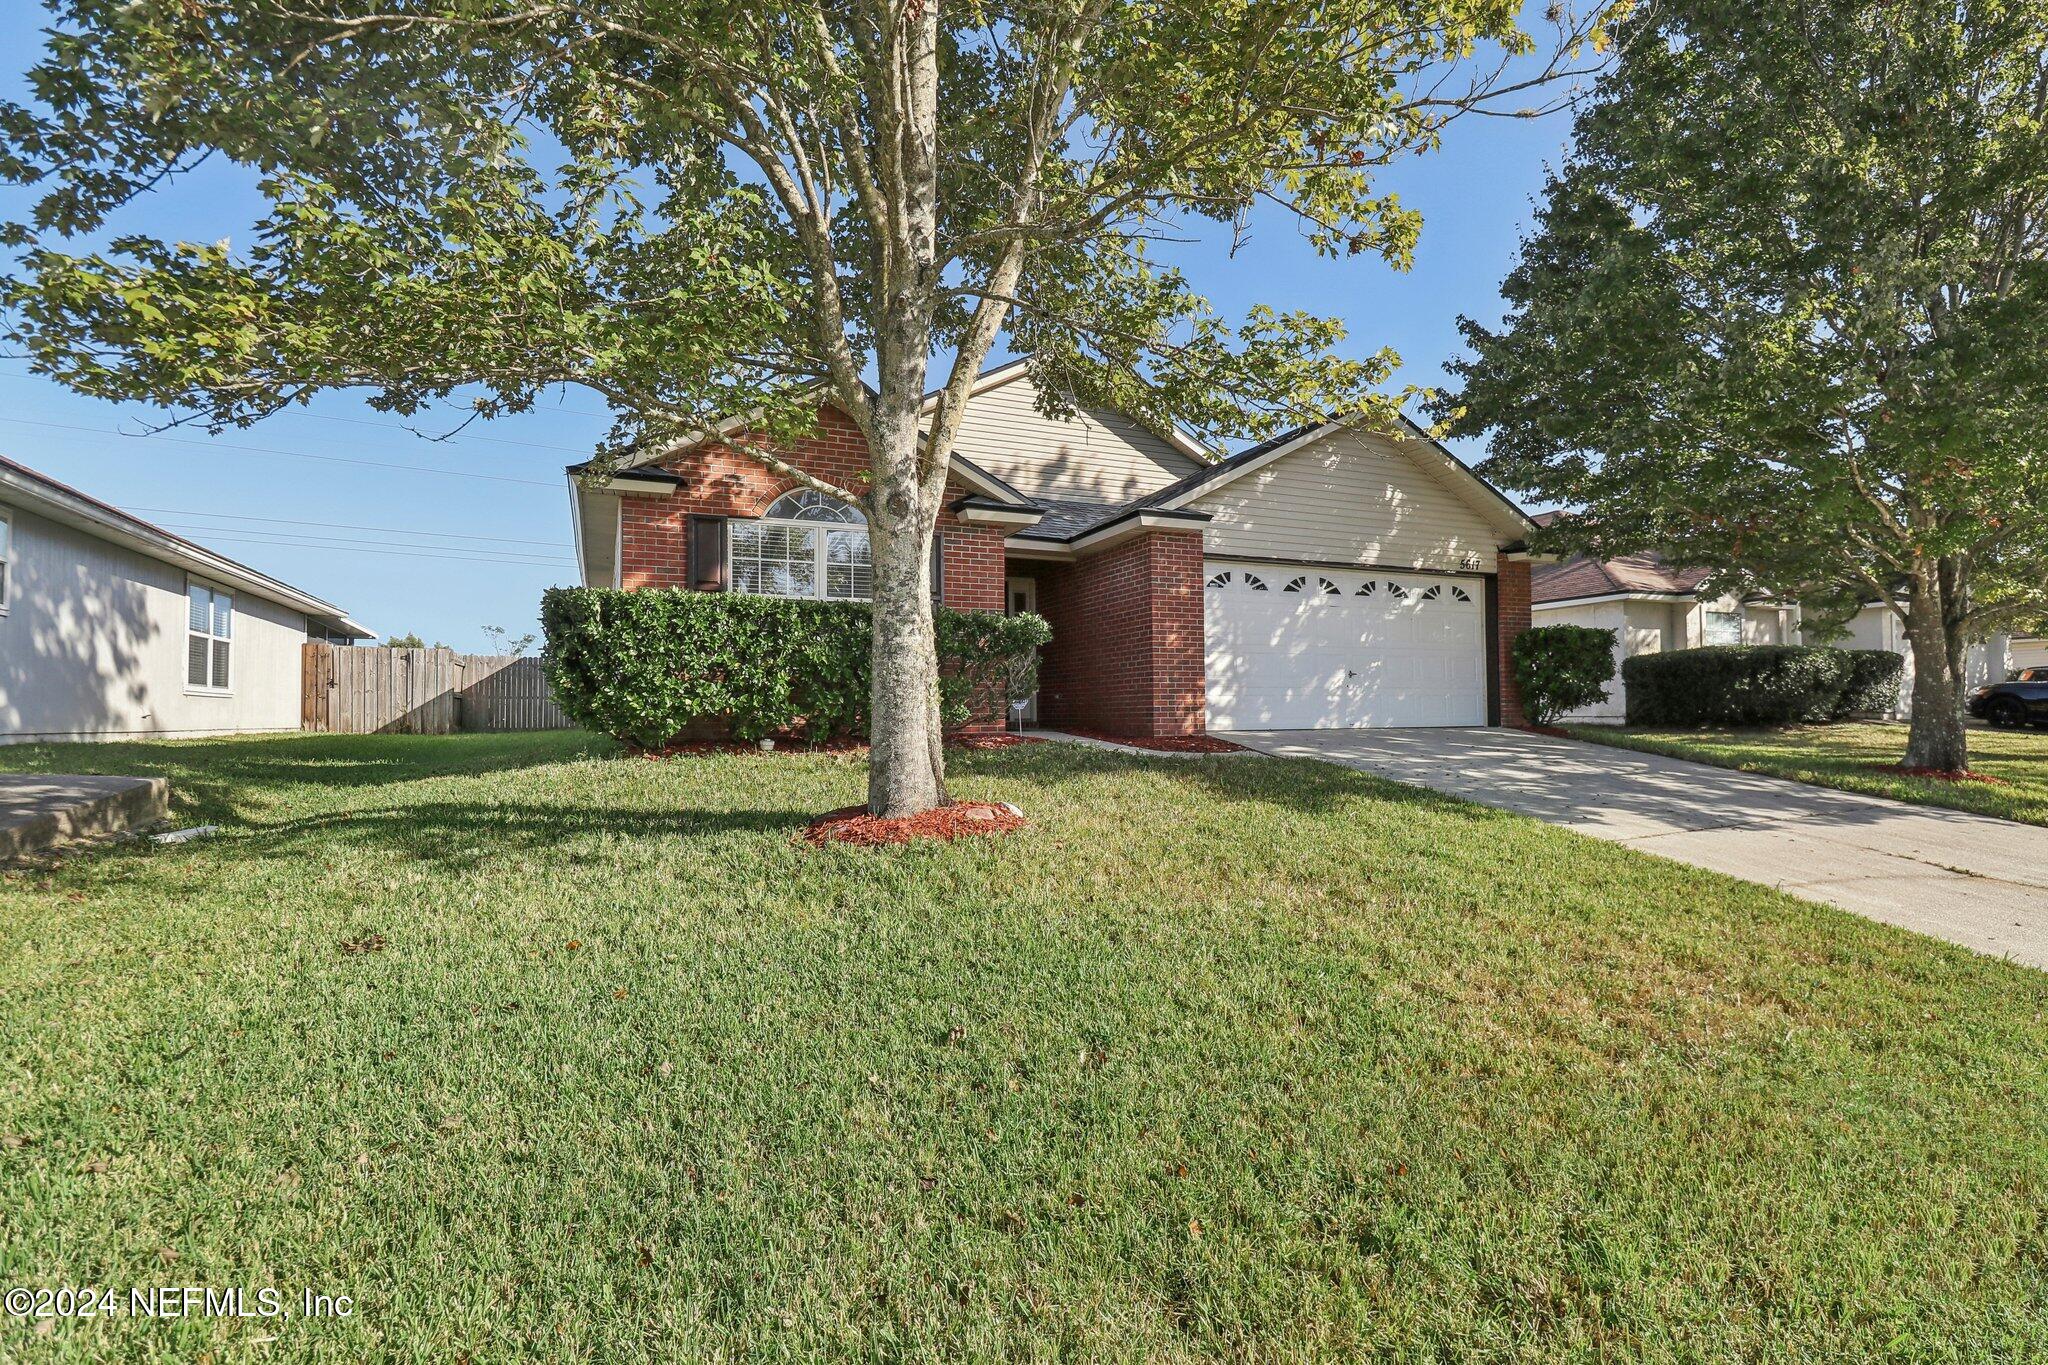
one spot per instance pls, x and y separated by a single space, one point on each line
1316 649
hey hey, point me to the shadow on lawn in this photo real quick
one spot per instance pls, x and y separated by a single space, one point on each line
1305 785
458 836
217 781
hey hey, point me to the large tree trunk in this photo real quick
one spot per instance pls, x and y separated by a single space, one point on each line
906 757
1936 738
906 760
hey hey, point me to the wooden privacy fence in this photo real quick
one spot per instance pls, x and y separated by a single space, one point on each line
369 689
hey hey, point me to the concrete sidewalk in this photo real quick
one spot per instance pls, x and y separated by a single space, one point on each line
1970 879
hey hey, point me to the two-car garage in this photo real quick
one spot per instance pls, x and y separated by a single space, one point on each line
1300 649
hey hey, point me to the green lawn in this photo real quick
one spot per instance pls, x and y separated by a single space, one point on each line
1232 1058
1850 757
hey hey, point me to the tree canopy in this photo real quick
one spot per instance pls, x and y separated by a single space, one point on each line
1784 314
698 210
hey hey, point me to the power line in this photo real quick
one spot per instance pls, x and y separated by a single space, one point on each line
342 526
271 450
323 542
405 554
450 439
537 407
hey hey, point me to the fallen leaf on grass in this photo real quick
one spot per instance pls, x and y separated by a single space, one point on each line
368 943
12 1140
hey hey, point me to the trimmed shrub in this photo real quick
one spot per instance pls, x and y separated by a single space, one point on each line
646 667
1737 685
1561 668
1874 678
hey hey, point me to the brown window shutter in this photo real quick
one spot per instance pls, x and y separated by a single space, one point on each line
938 570
707 554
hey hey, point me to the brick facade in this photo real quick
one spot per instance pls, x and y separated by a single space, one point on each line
654 532
1126 655
1128 632
1511 598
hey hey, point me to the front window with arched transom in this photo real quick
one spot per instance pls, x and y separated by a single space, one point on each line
805 545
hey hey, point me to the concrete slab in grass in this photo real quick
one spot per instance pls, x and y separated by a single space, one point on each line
44 811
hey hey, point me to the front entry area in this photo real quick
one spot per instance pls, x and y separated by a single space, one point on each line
1314 649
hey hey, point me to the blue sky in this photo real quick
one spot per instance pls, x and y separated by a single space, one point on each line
346 503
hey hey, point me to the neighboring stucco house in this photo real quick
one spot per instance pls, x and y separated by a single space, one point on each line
1324 578
2027 651
111 628
1652 607
1877 626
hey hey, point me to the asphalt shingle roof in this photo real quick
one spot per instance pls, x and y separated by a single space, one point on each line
1583 577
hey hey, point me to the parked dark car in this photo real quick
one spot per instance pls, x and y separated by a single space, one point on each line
2023 701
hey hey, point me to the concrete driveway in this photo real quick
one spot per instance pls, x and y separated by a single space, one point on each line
1969 879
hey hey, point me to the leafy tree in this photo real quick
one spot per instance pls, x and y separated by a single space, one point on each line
503 641
410 640
700 210
1785 313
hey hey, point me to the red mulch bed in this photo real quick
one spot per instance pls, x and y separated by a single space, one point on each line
786 745
995 741
854 825
1165 744
1941 774
686 747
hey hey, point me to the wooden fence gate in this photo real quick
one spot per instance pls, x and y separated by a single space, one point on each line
369 689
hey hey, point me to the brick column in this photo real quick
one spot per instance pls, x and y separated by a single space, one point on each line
1511 593
1128 640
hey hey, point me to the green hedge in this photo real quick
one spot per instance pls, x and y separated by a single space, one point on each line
646 667
1561 668
1758 684
1873 682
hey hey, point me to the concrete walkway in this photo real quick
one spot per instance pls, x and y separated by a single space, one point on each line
1969 879
39 812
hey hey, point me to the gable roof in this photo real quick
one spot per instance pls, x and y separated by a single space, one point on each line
998 375
1205 481
1638 575
981 479
68 506
635 467
629 478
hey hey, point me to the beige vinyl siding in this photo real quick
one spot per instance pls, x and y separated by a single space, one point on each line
1097 456
598 515
93 647
1349 498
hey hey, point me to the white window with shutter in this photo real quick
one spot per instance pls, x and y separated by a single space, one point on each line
6 559
209 637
